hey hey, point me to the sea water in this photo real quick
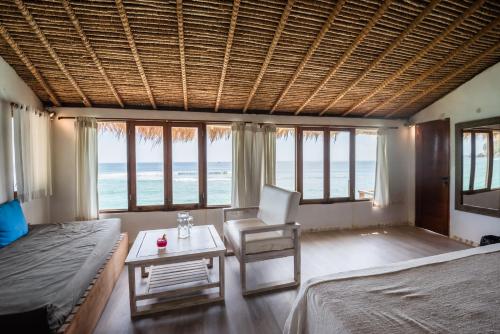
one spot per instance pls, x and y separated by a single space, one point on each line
150 186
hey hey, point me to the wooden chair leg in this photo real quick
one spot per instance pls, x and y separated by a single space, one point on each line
296 258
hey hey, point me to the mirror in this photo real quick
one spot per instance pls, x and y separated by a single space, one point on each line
477 179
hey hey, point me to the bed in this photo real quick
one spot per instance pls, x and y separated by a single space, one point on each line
456 292
48 275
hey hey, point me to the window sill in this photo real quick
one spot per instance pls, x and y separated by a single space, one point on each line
175 208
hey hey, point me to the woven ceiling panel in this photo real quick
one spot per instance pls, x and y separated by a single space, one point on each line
365 58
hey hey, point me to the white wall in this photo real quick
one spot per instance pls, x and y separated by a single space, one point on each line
14 89
339 215
476 99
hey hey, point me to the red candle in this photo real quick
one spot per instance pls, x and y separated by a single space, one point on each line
162 242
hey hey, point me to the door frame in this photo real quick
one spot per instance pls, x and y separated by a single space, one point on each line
418 170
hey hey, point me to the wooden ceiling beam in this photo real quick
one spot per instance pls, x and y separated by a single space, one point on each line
436 67
27 62
381 57
438 39
180 30
450 76
315 44
362 35
133 47
90 49
227 53
270 51
39 33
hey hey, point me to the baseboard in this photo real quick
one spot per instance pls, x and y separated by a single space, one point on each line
353 227
464 241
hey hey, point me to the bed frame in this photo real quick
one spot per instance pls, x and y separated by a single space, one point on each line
86 313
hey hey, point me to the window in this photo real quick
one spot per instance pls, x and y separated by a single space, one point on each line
366 158
312 164
466 145
161 165
185 165
112 166
481 160
495 180
339 164
285 158
219 165
149 165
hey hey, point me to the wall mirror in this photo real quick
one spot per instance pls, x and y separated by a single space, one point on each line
477 179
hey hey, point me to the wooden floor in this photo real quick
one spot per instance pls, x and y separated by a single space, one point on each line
322 253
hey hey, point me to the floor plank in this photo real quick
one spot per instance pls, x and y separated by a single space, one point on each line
322 253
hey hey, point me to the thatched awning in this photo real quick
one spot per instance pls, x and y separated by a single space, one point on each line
214 132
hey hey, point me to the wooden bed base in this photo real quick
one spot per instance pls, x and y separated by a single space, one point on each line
86 313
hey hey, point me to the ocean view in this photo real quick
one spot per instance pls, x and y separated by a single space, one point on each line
112 181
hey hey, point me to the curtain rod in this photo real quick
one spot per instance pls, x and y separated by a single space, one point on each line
229 122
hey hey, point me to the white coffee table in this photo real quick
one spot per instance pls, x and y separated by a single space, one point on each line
178 276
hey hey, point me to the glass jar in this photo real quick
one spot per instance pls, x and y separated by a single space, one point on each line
184 224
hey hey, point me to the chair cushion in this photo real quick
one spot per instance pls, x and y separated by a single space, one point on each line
258 242
278 206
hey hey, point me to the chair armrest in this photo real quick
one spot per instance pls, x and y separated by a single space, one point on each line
269 228
226 211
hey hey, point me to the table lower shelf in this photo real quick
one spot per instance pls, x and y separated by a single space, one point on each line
177 285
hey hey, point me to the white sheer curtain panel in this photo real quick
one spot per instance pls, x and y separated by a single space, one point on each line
248 150
6 153
269 154
86 169
32 153
381 197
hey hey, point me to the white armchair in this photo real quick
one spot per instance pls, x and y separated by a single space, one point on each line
268 231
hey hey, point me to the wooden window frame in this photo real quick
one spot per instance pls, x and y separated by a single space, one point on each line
202 165
326 165
489 171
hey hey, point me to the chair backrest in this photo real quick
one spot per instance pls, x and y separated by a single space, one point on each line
278 206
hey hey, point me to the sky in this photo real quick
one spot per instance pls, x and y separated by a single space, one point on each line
114 150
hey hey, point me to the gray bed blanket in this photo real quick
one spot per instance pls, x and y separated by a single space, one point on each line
47 271
457 292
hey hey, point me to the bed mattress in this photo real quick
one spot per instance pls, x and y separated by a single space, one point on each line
457 292
44 274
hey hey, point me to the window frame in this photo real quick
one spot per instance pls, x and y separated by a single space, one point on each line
326 165
489 176
202 164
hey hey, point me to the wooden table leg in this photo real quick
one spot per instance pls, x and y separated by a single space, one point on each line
131 289
144 273
221 276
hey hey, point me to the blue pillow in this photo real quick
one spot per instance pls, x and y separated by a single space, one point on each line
12 223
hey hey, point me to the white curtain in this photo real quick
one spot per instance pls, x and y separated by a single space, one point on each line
6 158
254 155
381 197
269 154
86 169
32 153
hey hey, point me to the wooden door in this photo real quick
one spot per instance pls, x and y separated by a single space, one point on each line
432 175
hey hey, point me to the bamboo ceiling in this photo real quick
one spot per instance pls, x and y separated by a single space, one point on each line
300 57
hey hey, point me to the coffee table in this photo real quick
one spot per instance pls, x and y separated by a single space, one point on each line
178 276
